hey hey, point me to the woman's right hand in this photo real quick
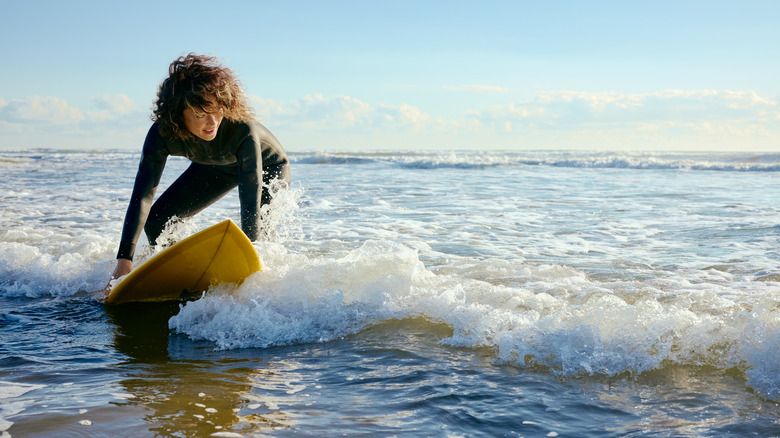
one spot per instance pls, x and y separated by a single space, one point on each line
123 267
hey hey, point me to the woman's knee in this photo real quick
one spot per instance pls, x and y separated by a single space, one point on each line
155 225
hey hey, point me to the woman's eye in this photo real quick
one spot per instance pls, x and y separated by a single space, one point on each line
200 116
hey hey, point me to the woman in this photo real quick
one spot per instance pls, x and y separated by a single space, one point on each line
201 113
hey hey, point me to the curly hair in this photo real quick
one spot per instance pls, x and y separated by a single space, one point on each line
197 81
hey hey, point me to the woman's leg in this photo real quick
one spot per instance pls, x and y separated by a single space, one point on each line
197 188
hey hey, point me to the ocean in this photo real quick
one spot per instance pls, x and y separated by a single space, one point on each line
409 294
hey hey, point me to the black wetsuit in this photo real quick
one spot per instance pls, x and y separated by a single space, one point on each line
246 155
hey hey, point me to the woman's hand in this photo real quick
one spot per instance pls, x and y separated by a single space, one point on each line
123 267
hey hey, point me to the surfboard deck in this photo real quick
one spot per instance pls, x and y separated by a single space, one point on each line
219 254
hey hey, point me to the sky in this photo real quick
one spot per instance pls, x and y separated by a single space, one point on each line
407 75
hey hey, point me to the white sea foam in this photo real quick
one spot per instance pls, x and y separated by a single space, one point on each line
9 403
558 317
10 390
38 262
581 263
607 160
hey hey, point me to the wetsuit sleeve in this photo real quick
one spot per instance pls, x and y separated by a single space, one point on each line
250 185
147 179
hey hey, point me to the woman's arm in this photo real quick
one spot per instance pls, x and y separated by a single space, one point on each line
146 180
250 185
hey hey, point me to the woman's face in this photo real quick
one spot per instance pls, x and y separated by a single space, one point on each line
203 122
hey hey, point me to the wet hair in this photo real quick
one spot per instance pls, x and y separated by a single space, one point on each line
197 81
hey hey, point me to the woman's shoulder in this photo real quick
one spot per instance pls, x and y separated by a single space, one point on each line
154 141
252 128
247 127
159 146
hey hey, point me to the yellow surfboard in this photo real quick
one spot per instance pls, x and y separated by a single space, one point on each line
219 254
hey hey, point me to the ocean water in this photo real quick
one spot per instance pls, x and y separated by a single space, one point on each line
457 294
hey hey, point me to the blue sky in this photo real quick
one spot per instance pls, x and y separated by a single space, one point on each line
416 75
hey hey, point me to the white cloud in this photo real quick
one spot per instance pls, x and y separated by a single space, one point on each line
265 108
37 109
477 88
112 106
314 112
580 110
320 113
51 122
412 116
670 119
401 117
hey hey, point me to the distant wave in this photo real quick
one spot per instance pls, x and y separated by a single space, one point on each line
691 161
726 162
